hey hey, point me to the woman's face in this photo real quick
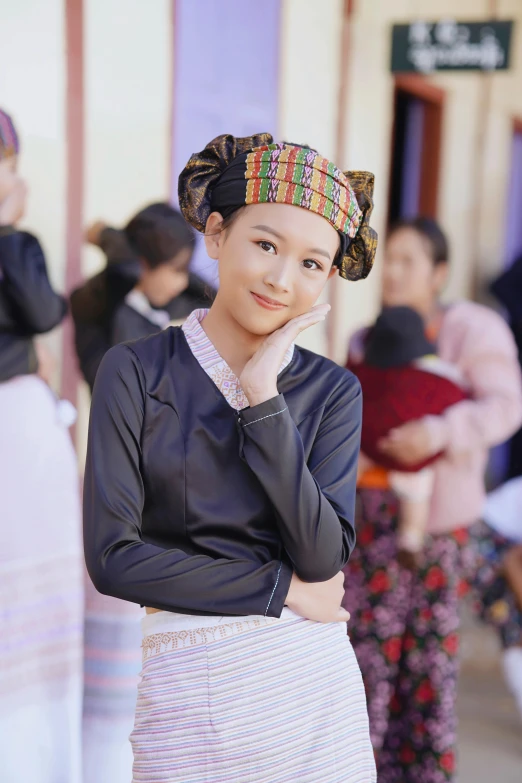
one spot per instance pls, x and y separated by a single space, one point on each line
168 280
410 278
8 177
274 261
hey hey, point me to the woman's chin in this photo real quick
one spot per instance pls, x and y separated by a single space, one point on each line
261 324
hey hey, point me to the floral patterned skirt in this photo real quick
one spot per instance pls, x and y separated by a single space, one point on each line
404 629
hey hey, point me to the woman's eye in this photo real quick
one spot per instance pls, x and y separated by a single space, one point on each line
309 263
268 247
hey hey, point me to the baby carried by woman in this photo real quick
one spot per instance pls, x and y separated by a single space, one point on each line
403 380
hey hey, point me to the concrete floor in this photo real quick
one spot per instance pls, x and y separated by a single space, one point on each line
490 730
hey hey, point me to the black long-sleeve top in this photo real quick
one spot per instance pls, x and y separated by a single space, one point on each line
28 303
191 507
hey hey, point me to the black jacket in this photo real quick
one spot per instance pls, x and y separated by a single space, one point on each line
190 507
28 303
99 302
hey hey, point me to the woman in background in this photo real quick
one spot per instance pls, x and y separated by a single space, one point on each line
145 284
405 624
41 572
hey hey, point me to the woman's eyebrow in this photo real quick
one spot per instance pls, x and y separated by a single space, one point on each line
269 231
315 250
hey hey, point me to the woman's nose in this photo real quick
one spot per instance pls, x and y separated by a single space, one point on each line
278 275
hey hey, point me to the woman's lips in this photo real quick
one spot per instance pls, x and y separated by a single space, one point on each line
267 303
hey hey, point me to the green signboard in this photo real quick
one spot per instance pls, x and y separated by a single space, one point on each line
424 47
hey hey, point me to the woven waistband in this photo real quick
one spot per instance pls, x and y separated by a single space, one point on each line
170 641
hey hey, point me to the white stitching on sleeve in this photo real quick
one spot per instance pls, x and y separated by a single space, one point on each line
264 417
277 582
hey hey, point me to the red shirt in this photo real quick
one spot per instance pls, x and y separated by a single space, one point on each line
398 395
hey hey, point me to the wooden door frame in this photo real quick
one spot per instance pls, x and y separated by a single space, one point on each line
434 99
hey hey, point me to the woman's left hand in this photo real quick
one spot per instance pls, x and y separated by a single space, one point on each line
259 377
408 444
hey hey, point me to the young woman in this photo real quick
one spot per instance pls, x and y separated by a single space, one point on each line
220 485
405 625
41 569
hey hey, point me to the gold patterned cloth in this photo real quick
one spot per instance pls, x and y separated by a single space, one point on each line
233 172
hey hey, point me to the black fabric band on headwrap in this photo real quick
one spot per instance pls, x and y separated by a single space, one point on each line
229 192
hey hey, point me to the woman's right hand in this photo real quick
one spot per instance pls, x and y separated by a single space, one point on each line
259 377
318 601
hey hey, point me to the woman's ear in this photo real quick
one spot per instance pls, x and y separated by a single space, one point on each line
213 235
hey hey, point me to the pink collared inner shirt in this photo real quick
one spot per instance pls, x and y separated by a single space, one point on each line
214 365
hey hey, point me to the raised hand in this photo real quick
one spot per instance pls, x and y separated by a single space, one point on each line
259 377
93 232
12 207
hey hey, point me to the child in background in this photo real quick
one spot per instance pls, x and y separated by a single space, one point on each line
164 243
402 380
497 578
145 285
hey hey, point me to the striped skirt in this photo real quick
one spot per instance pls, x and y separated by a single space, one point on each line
258 699
112 663
41 590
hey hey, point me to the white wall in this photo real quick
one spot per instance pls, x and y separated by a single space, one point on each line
473 180
309 90
128 86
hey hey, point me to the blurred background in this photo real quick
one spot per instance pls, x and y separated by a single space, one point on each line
111 97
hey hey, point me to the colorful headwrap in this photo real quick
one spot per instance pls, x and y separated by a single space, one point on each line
9 144
232 172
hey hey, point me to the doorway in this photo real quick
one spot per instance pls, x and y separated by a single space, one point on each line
509 460
416 147
514 204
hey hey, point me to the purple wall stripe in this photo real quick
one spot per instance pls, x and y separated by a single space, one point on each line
226 79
